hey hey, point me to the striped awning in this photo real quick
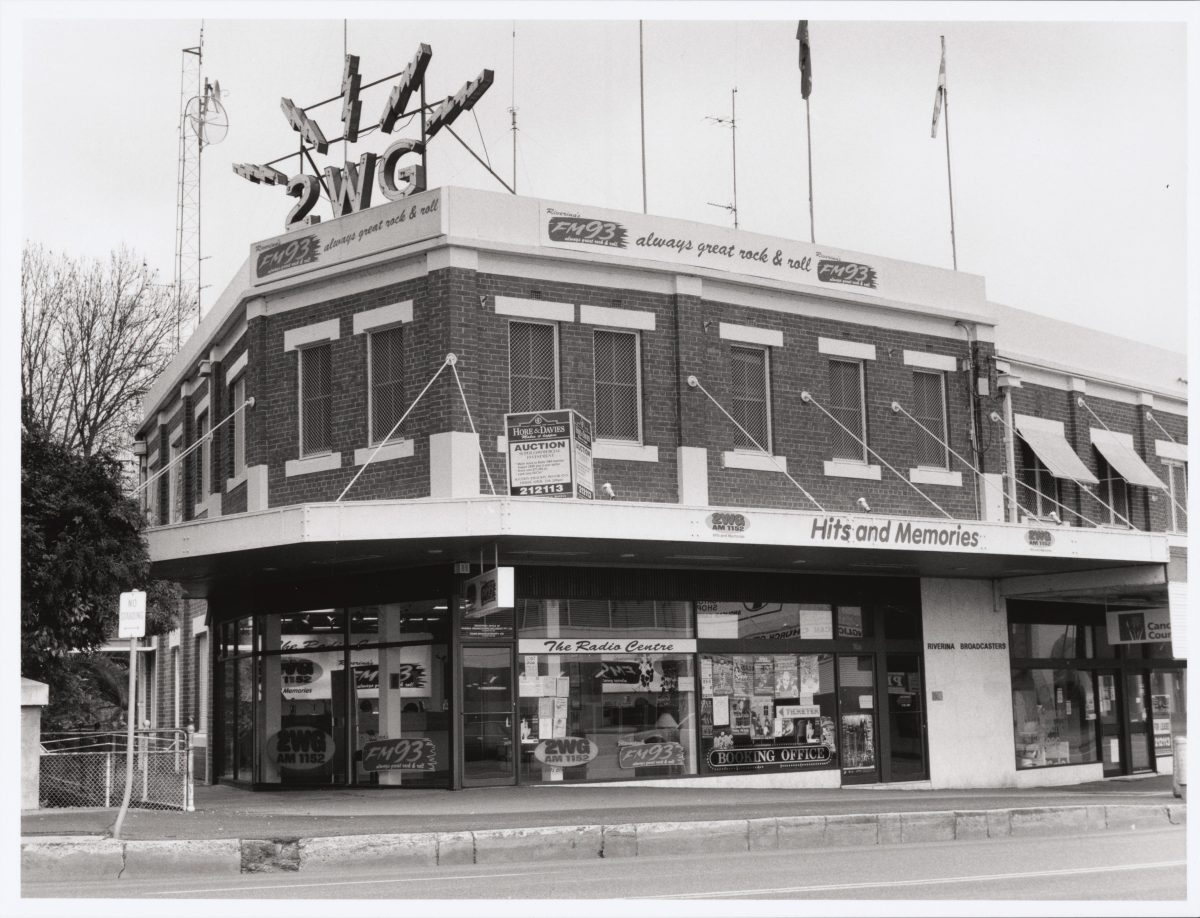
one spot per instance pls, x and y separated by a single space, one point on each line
1118 451
1055 452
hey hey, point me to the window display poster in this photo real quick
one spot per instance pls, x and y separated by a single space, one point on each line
564 686
764 676
531 666
1160 704
717 624
741 676
850 622
720 709
722 673
858 742
816 624
828 734
706 717
786 727
787 677
545 717
706 675
897 684
810 677
560 716
739 714
722 738
762 710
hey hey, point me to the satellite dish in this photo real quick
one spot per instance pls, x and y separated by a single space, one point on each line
207 116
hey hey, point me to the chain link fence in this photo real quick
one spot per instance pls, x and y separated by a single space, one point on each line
88 770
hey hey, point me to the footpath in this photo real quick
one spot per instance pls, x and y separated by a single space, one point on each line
235 831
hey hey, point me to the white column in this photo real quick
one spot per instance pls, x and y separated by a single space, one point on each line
693 476
453 464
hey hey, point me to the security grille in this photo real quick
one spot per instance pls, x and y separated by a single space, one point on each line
531 367
1116 493
176 474
387 381
929 407
846 405
238 425
315 399
88 770
616 369
1177 485
749 388
202 454
1041 496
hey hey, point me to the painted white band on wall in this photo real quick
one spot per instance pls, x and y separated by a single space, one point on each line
930 361
617 318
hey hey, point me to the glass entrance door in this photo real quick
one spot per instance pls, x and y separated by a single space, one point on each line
856 691
1137 711
905 718
487 717
1110 724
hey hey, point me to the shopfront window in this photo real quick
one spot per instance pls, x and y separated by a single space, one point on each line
1051 642
605 717
771 621
589 618
1054 717
1168 705
767 711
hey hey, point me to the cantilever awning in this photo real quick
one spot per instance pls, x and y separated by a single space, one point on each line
1118 451
1052 448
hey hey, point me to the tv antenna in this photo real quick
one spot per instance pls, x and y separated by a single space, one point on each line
732 122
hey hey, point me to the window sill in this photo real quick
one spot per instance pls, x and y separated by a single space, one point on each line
935 477
323 463
755 462
844 468
624 450
239 479
396 449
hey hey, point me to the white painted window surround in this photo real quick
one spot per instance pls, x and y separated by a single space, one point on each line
546 310
396 449
311 334
844 468
611 316
235 369
935 477
928 361
755 462
1165 449
626 452
837 347
750 335
323 463
394 314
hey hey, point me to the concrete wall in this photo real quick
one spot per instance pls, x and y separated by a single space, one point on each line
34 696
970 728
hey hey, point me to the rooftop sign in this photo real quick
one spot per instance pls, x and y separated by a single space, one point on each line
349 189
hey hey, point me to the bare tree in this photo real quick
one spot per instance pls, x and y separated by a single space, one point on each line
94 336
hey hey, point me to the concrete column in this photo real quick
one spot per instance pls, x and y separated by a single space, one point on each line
453 464
256 487
693 476
34 697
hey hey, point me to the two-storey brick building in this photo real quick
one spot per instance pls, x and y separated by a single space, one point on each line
852 522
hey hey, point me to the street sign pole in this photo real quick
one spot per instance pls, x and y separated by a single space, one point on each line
132 624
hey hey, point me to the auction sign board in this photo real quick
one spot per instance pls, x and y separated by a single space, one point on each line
549 454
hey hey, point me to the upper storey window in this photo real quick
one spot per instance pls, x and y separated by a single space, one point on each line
929 408
315 399
750 387
387 380
618 386
847 405
532 366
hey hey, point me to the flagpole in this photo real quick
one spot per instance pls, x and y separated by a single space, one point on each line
949 182
812 232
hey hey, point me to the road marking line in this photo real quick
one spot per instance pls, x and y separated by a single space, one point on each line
737 894
212 889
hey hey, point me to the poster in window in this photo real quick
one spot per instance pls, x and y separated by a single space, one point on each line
810 676
850 623
762 716
722 738
706 676
1160 704
706 717
560 716
897 684
829 733
722 676
786 728
764 676
720 708
741 675
858 742
816 624
739 715
545 718
787 677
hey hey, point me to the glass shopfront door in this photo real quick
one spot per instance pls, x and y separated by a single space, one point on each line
488 716
1110 724
1137 710
856 690
905 718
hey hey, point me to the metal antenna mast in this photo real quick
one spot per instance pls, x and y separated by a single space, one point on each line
732 122
187 197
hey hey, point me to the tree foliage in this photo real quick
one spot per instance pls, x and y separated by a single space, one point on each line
81 547
94 336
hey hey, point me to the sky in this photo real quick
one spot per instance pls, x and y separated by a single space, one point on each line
1067 145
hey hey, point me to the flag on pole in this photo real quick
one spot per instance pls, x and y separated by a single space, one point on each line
941 91
805 60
